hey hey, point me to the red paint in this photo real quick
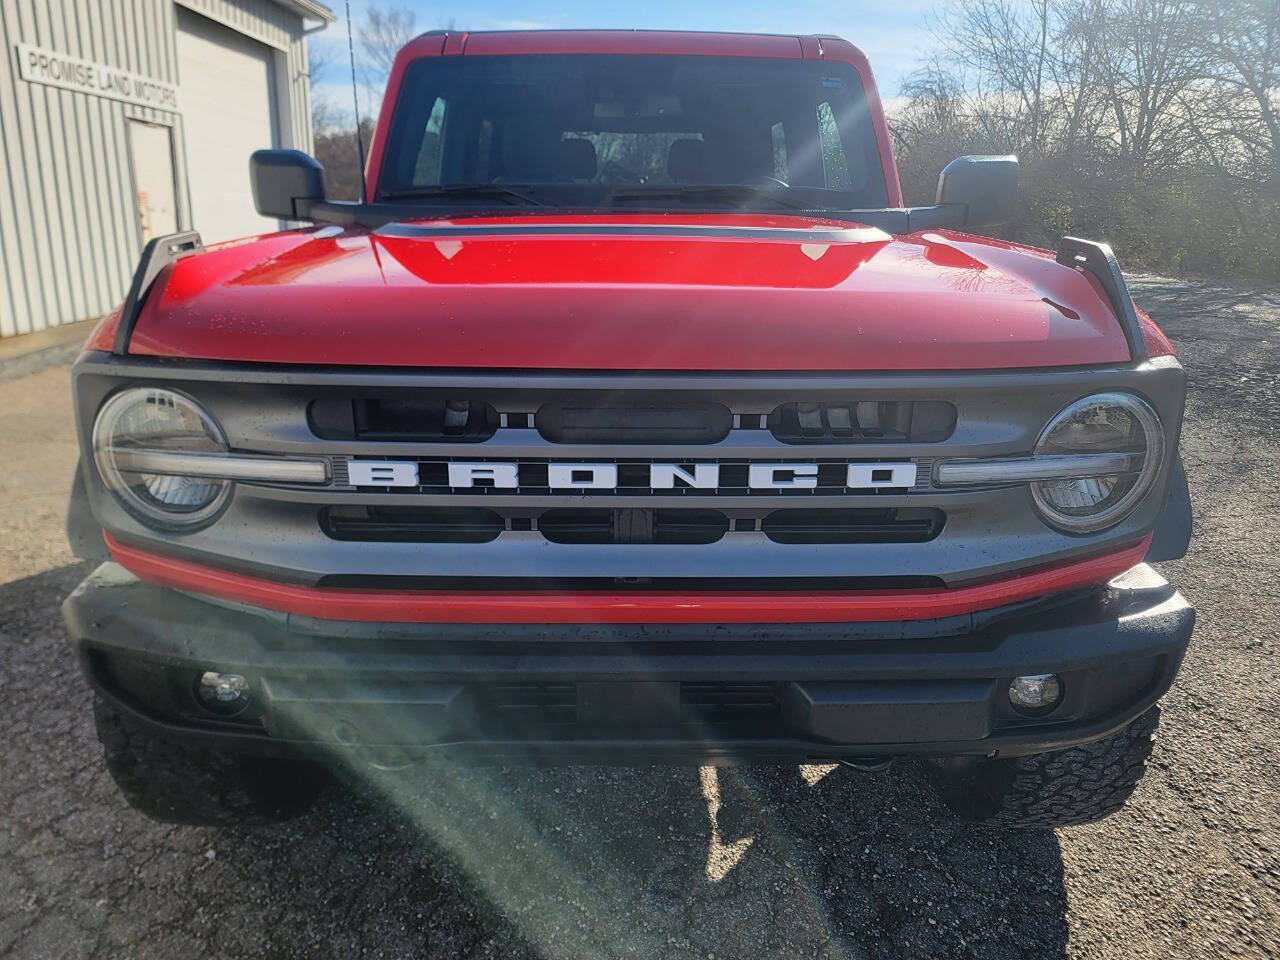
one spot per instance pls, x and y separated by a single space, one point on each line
1158 345
433 606
103 336
632 42
929 301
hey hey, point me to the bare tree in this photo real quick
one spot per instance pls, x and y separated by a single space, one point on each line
1149 62
1008 49
384 32
1240 120
1152 123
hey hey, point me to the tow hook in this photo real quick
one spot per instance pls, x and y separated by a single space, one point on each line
867 764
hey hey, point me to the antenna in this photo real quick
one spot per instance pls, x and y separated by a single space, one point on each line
355 100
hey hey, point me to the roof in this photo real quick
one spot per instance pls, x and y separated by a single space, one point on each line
309 9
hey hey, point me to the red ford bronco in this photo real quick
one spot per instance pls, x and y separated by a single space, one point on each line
630 417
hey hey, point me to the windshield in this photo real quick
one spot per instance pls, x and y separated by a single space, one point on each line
641 131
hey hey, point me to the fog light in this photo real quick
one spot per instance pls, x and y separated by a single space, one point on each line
224 693
1037 692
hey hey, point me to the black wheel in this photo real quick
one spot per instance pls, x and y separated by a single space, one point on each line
1046 790
176 783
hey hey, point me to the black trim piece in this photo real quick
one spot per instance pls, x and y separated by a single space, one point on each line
1172 531
84 533
156 255
1099 260
928 383
373 216
830 235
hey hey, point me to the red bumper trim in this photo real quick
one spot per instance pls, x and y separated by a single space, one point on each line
436 606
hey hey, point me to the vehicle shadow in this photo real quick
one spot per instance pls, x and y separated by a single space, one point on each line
447 860
729 862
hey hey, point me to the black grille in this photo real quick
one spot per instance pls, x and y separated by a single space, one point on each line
404 524
852 421
633 526
589 421
906 525
719 704
519 704
411 524
402 417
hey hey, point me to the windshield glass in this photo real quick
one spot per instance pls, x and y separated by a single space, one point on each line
645 131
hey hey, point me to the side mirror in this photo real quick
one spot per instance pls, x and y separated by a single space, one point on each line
987 188
285 182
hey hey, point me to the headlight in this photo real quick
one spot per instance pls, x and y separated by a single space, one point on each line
1116 423
150 419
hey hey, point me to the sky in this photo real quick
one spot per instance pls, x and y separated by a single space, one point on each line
894 35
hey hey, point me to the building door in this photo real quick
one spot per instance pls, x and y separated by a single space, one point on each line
154 190
227 92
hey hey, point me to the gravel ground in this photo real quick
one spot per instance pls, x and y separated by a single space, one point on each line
678 862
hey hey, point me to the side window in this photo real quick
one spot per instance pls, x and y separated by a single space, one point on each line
779 135
834 164
426 168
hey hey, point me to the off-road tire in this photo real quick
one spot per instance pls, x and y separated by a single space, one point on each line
1045 790
176 783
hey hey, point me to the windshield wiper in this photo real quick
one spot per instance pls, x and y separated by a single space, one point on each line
462 191
727 193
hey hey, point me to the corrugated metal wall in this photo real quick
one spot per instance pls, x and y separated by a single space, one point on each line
69 232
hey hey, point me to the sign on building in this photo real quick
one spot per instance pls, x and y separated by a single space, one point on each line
38 65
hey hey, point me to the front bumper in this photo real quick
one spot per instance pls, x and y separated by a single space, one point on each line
632 692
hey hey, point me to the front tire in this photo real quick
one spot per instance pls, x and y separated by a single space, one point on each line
175 783
1046 790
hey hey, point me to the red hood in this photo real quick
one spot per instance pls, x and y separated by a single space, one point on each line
647 292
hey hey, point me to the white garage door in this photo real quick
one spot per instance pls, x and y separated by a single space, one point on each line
228 99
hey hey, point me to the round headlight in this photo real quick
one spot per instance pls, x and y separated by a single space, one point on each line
151 419
1103 423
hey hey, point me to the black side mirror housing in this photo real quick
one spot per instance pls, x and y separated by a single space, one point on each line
986 187
285 183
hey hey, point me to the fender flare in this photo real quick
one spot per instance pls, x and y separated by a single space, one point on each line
1172 532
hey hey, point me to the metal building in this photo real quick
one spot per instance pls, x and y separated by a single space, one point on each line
125 119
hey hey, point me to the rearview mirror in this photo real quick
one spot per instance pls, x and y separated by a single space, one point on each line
283 181
987 188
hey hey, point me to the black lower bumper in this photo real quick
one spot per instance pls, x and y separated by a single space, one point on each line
634 693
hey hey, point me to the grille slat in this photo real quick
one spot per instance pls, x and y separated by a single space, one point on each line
629 526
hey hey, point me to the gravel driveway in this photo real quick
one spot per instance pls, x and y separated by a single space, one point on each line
754 862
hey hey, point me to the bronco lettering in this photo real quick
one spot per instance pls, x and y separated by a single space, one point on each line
604 476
